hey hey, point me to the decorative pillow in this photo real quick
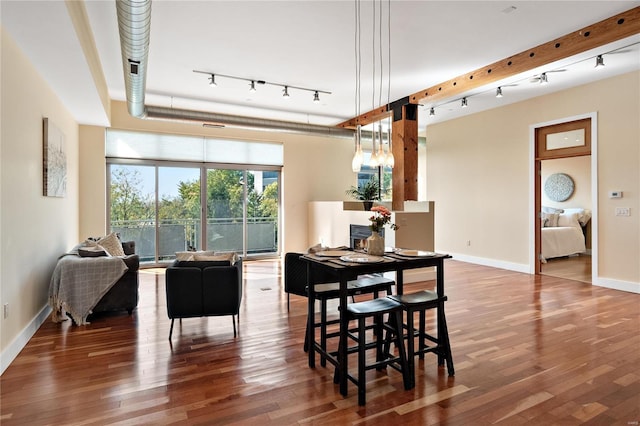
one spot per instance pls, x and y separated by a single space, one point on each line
230 257
111 244
188 255
92 251
569 220
584 215
551 210
550 220
184 255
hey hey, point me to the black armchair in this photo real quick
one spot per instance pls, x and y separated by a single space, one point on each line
203 288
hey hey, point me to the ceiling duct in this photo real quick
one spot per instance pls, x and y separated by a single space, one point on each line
222 120
134 24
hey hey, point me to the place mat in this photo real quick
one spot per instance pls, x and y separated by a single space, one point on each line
361 258
333 253
414 253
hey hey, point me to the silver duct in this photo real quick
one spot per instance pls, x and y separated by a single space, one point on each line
134 24
210 119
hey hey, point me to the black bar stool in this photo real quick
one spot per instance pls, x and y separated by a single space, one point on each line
438 344
376 309
324 292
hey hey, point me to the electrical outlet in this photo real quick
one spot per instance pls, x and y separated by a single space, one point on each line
469 243
6 310
623 211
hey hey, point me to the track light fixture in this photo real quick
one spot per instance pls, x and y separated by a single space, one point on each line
599 61
499 92
253 82
464 102
543 78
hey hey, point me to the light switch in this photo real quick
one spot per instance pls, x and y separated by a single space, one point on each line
623 211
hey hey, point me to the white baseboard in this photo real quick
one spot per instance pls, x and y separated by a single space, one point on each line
517 267
21 340
629 286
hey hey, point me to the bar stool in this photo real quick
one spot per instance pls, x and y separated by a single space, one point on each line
324 292
438 344
376 309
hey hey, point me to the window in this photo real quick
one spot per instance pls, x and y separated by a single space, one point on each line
168 205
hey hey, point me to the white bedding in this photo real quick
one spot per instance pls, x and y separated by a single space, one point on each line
562 241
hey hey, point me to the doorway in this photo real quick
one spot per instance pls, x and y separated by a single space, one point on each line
564 192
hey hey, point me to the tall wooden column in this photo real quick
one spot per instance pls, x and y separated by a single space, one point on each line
405 152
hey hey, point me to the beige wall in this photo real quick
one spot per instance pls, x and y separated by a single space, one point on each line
478 175
35 229
316 169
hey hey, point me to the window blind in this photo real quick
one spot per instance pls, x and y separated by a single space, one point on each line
156 146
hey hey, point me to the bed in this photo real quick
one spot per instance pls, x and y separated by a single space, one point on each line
563 232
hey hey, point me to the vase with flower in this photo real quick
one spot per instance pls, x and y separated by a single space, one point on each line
375 242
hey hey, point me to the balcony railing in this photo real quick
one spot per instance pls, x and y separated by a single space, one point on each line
223 234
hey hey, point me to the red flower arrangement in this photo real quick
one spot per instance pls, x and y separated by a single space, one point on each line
381 217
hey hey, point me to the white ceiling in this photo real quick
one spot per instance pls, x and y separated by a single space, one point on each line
311 44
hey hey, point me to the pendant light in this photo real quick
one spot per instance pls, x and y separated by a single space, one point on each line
358 157
382 156
390 160
374 161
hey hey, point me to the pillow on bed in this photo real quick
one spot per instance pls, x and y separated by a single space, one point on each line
569 220
584 215
550 220
551 210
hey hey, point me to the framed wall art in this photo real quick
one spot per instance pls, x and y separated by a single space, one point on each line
54 161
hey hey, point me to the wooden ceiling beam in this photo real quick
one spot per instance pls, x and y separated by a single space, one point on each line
607 31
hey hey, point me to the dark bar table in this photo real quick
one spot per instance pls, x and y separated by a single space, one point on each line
345 271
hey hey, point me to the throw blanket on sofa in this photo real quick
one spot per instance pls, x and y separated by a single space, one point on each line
78 284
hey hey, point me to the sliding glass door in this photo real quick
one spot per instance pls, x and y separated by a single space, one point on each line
178 210
132 207
242 211
262 211
171 208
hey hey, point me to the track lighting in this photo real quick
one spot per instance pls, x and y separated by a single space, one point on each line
543 78
464 102
253 82
499 92
599 61
432 112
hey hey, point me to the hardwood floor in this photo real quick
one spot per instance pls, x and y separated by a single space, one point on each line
576 268
527 350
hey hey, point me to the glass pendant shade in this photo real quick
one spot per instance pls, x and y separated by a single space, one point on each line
358 157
